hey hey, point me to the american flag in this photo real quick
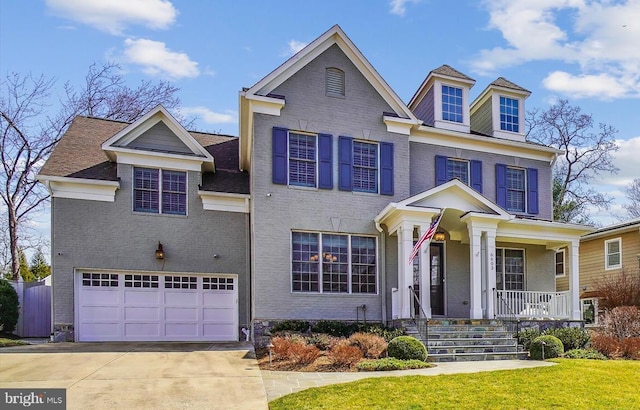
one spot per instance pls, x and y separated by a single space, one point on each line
426 236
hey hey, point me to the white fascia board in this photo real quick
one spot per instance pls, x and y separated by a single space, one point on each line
434 136
158 160
265 105
246 132
627 226
485 220
81 188
399 125
551 234
226 202
394 215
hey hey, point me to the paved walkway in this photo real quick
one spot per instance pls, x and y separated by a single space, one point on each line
278 384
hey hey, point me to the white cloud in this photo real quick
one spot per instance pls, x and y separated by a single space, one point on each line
156 59
210 117
399 7
601 40
113 16
295 46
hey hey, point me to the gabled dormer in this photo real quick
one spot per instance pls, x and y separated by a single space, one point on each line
499 111
442 101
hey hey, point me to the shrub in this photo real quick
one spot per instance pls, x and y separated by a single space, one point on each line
387 333
526 336
607 345
291 326
551 344
335 328
322 341
9 307
371 346
571 337
390 363
584 354
621 322
630 348
294 349
618 290
344 355
407 348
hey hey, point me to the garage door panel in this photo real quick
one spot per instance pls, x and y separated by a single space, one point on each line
99 313
181 298
216 315
147 330
141 313
218 299
188 330
151 297
219 331
92 296
101 331
173 313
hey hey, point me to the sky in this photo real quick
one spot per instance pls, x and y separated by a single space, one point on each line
587 51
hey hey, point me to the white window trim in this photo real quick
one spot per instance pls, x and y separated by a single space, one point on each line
160 170
378 175
443 84
564 263
320 290
526 189
520 114
316 160
606 254
468 183
524 265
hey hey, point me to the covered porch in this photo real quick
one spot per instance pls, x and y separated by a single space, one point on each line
485 264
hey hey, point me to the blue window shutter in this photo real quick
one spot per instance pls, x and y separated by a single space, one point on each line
386 168
345 170
501 185
441 170
325 156
279 156
532 188
476 175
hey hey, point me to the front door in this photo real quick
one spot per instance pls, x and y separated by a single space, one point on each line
436 252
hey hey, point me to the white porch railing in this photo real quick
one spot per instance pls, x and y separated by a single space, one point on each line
532 304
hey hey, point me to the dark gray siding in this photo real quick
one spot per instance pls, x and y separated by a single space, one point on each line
481 120
160 138
425 109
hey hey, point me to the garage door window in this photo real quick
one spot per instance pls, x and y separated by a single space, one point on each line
217 283
140 281
100 279
181 282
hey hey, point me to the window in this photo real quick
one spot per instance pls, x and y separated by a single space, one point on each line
333 263
180 282
560 263
100 280
457 168
334 82
365 167
451 103
509 269
613 253
217 283
509 119
515 189
159 191
140 281
589 310
468 172
302 159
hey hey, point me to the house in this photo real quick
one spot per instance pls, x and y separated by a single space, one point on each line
312 212
605 253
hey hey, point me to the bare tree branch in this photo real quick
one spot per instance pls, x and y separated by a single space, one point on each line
633 195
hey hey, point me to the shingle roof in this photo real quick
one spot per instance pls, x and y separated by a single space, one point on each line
503 82
450 72
79 154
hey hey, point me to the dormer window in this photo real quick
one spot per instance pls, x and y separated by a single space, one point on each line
334 82
509 119
159 191
451 103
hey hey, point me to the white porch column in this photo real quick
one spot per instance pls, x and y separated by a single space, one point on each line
574 279
425 275
475 268
490 269
405 270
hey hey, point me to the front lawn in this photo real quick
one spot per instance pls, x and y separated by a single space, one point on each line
573 384
4 342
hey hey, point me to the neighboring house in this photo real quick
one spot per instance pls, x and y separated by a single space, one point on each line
344 177
606 252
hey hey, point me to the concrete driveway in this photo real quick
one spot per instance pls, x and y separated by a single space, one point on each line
140 375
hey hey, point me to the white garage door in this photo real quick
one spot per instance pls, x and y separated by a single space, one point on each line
152 307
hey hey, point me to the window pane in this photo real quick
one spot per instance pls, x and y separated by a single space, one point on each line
515 189
451 103
174 192
302 160
304 262
145 191
363 264
365 167
335 263
458 169
559 263
514 269
509 114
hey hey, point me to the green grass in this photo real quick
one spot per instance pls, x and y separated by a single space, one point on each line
573 384
11 342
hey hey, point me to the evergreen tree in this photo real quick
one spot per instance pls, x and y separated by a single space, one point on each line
39 266
24 270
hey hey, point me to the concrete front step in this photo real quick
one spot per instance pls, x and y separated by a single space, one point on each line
433 334
472 342
472 349
467 357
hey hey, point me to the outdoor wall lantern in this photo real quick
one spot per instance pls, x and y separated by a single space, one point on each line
439 236
159 252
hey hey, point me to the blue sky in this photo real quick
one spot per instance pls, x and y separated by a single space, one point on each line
583 50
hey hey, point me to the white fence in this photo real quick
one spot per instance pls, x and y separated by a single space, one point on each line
35 309
532 304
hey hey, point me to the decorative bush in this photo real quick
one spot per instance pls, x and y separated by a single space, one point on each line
584 354
630 348
526 336
291 326
9 307
371 346
621 322
342 354
335 328
607 345
571 337
322 341
552 347
407 348
294 349
390 363
387 333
